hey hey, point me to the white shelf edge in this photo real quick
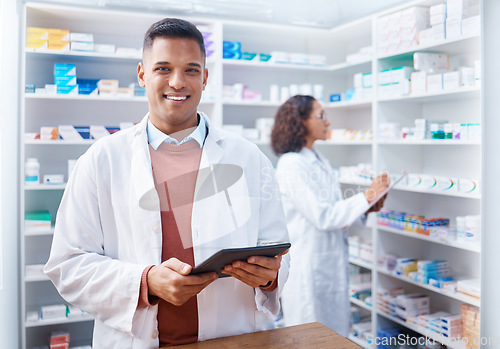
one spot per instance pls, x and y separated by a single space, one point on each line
426 47
457 296
347 65
61 321
244 63
81 54
39 232
35 278
79 97
462 90
359 342
59 142
427 333
427 142
251 103
45 187
360 303
347 104
414 190
467 247
360 263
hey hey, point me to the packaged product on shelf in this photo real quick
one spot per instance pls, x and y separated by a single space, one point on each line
466 185
469 287
82 46
49 133
418 82
69 133
58 39
32 172
453 28
467 75
107 86
317 60
104 48
438 33
56 311
457 8
64 69
430 62
435 83
59 337
248 56
264 125
473 228
34 220
81 37
53 179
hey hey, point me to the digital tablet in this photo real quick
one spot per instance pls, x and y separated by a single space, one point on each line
227 256
403 175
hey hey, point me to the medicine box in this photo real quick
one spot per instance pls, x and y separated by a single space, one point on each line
102 48
35 33
456 8
430 62
418 82
452 81
82 46
453 28
68 90
435 83
37 220
53 179
57 311
59 45
438 9
471 26
59 337
82 37
58 35
231 46
64 69
438 32
425 37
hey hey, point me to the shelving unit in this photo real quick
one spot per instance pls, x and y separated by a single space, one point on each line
125 28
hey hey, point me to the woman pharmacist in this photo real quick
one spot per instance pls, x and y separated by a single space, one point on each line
317 215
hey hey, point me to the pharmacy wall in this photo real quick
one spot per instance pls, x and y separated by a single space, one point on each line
9 183
416 101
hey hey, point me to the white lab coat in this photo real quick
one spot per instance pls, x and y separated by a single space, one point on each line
104 238
317 287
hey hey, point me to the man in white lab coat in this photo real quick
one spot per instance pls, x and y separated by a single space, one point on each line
108 253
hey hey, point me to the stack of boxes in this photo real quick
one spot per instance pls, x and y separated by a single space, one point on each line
412 305
58 39
471 325
431 269
37 38
231 50
65 78
81 42
206 32
87 86
399 31
59 340
394 82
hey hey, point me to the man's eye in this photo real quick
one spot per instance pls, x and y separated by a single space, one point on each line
162 69
193 70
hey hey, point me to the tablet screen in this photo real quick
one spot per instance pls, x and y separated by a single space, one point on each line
227 256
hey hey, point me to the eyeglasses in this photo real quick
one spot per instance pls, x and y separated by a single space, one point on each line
320 116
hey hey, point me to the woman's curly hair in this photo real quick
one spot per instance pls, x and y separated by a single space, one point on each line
289 132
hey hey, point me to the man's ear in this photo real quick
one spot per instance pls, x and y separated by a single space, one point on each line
140 74
205 78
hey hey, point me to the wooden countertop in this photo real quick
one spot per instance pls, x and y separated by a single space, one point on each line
308 336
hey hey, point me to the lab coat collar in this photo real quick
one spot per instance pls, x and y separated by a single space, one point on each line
320 160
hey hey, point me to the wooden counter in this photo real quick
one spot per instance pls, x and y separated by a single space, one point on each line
308 336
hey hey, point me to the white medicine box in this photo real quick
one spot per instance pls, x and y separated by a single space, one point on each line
435 83
452 81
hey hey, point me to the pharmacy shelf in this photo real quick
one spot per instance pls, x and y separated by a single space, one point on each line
464 246
348 105
38 323
358 341
363 66
39 232
252 103
360 303
45 187
78 97
257 64
36 278
31 51
457 296
440 96
416 190
332 142
361 263
100 98
60 142
449 46
445 142
450 343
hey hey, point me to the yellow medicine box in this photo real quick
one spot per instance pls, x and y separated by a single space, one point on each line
59 45
34 33
37 44
58 35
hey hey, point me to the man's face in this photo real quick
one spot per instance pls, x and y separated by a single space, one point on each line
174 74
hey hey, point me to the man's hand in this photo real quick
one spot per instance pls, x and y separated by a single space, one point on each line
257 271
171 281
379 184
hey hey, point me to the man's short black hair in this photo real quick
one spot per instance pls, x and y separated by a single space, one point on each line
173 28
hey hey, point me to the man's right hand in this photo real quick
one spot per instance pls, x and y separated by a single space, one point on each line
171 281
